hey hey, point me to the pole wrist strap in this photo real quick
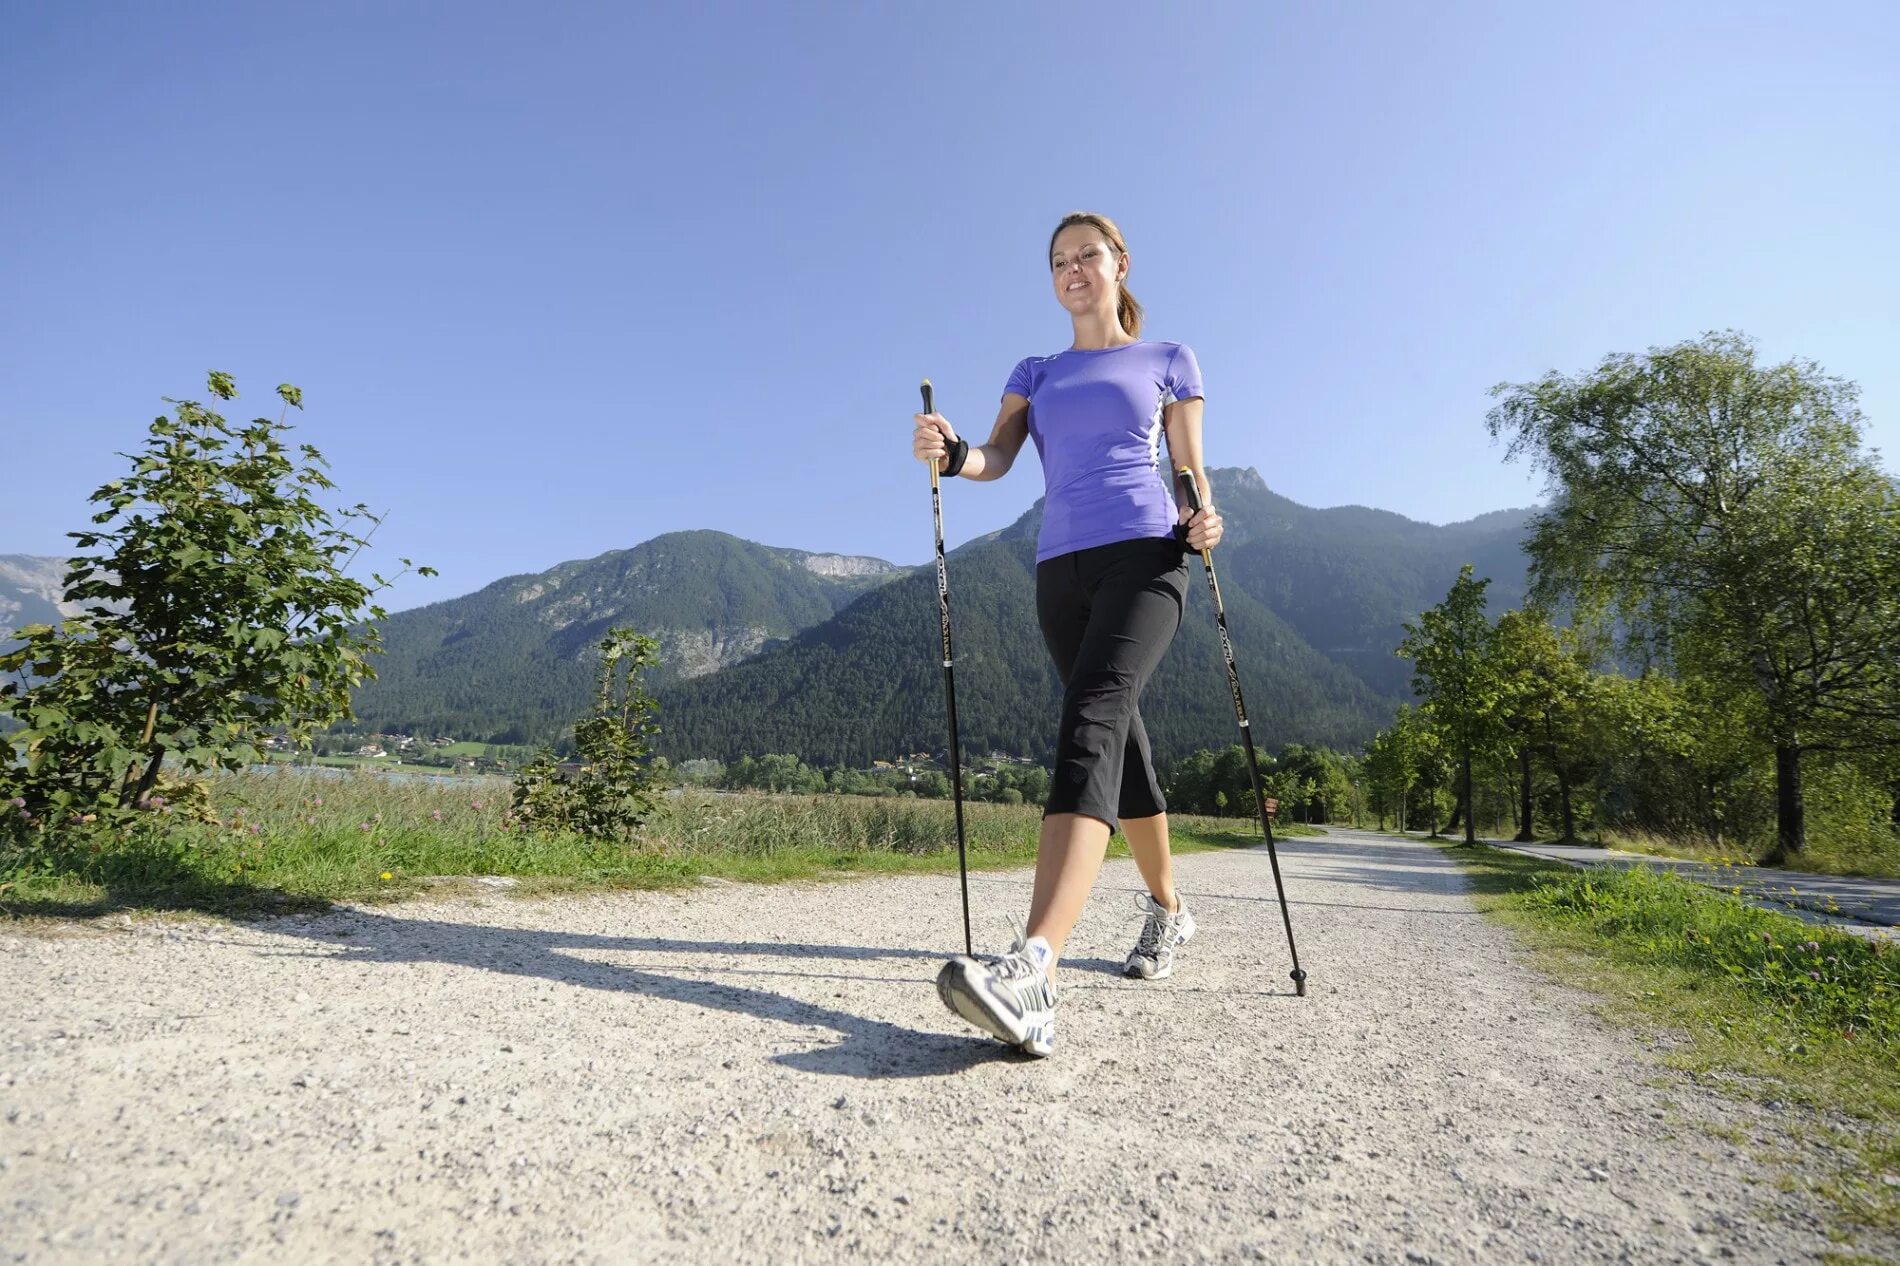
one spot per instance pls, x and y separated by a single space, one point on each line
959 453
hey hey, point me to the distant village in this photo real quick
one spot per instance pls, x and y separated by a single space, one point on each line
441 753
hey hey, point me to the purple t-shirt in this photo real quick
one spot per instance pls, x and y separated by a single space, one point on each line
1096 418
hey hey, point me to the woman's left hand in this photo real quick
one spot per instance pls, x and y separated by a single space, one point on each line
1204 529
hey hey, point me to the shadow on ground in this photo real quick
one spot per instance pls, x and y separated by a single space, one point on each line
870 1048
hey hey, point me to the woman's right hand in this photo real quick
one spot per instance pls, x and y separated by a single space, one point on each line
932 440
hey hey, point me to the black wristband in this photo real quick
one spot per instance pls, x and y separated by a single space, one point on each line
959 453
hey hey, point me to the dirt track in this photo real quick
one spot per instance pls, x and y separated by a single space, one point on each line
764 1074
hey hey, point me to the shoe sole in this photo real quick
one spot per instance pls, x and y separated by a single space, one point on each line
959 985
1132 968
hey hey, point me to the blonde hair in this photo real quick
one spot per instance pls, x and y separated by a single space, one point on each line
1127 310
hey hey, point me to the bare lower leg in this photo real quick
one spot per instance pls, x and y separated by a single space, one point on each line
1068 857
1148 841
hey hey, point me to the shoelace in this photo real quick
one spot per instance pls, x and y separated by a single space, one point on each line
1015 963
1016 968
1158 926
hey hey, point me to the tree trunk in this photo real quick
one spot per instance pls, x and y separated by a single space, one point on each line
147 781
1457 814
1471 834
1570 817
130 795
1524 833
1896 807
1791 829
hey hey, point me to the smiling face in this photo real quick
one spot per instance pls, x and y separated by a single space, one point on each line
1086 269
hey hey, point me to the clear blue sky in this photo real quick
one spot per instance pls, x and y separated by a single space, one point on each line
557 279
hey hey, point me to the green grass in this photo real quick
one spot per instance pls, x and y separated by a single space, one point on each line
1825 855
292 839
1765 1006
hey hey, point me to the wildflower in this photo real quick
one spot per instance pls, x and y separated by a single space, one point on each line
1767 938
1814 975
387 875
375 817
1812 947
1833 961
365 826
476 804
18 802
435 815
256 830
318 802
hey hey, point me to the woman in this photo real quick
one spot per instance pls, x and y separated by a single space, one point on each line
1111 578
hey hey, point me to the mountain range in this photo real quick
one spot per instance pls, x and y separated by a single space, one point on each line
512 663
32 591
836 658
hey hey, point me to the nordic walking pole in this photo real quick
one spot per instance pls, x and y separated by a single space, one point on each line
1193 489
950 687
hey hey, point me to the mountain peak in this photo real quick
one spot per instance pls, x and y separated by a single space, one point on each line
1241 478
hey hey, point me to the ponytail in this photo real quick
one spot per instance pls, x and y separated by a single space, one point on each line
1128 312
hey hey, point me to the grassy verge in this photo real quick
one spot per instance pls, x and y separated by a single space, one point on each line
1763 1005
296 841
1825 854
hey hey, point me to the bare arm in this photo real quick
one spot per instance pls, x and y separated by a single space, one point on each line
934 435
1182 421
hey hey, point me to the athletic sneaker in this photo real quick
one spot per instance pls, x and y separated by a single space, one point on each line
1009 995
1162 932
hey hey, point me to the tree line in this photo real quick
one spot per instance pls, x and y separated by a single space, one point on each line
1725 555
1001 782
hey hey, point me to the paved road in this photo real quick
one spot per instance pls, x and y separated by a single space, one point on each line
1864 907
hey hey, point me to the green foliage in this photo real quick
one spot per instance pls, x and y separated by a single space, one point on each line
776 772
1726 513
1823 984
1003 782
1543 677
1312 784
1453 648
216 605
610 793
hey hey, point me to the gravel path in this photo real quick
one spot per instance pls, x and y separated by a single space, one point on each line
764 1074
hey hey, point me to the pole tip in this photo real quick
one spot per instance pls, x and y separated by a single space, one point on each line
1299 982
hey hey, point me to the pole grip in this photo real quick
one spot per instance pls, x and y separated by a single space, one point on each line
1191 486
929 407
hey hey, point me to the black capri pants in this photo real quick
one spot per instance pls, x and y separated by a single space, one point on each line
1108 615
